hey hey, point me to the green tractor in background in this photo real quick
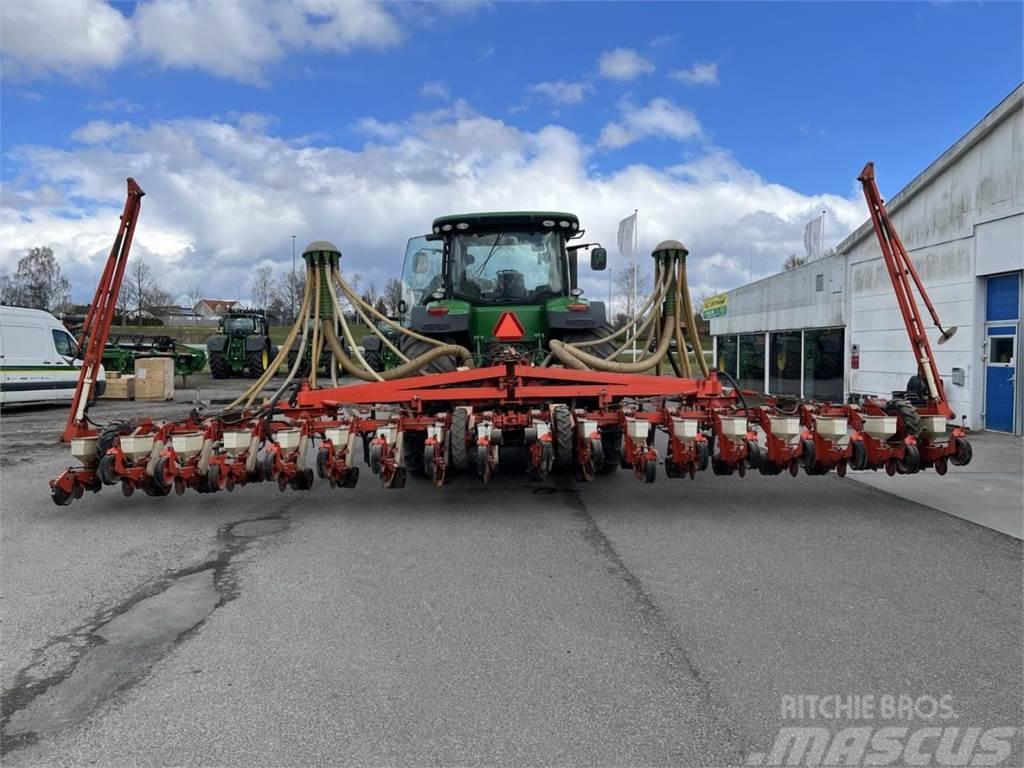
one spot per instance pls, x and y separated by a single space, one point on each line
498 283
241 346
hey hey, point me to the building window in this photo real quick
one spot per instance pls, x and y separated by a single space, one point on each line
727 355
784 364
823 365
751 362
819 283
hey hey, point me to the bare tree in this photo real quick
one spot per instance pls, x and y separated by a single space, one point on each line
195 293
143 291
624 279
37 282
793 261
392 295
262 287
288 288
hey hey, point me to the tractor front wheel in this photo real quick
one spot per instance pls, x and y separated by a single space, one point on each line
219 366
257 362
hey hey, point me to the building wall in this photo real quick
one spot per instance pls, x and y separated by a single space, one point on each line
965 223
961 220
788 300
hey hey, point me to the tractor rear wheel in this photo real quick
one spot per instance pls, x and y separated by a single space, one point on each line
457 438
605 348
303 370
907 412
413 444
257 362
219 366
611 442
413 348
561 433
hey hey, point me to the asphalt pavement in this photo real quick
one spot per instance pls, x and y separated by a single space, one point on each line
556 623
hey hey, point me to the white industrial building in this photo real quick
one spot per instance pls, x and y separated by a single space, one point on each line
831 329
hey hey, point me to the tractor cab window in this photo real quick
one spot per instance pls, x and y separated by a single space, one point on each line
241 326
507 267
421 271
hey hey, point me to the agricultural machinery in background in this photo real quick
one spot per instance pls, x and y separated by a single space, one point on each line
500 350
241 346
122 350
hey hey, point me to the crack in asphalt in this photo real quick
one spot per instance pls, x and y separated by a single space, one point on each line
653 615
116 648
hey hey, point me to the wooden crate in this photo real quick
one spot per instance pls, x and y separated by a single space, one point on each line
154 378
119 388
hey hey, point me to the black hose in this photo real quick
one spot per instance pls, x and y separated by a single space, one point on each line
735 385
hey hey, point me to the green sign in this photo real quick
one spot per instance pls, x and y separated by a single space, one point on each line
715 306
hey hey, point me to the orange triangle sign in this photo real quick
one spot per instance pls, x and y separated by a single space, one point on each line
508 328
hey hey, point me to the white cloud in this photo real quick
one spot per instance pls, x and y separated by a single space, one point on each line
69 38
238 39
663 40
705 73
221 198
100 132
660 118
119 104
437 89
623 64
235 39
563 92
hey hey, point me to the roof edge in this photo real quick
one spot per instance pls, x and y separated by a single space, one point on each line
1003 110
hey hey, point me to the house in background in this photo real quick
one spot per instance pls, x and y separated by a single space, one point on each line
213 307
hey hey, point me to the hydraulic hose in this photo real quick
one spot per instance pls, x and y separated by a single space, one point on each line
570 356
406 369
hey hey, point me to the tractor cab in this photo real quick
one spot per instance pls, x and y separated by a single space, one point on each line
243 324
490 280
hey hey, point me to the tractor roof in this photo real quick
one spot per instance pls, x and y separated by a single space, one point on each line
499 220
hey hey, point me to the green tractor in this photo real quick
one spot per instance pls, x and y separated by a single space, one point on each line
500 284
241 345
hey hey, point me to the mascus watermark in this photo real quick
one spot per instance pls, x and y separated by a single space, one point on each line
905 730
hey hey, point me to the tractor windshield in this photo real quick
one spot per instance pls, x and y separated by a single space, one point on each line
505 267
421 271
240 326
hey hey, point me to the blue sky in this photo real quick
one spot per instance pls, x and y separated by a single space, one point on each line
726 124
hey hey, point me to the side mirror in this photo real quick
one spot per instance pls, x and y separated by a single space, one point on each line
598 259
420 263
402 307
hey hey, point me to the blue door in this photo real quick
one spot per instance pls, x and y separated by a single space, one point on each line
1002 314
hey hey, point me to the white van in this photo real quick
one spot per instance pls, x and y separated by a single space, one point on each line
38 358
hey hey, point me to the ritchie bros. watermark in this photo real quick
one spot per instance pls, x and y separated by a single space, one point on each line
888 729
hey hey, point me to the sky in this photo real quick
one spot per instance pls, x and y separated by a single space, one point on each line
726 125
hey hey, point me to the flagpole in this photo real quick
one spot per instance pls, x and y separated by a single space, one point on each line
822 232
636 242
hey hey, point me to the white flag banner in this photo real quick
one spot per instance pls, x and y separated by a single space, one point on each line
813 237
627 228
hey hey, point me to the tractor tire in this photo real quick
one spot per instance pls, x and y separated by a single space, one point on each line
413 348
256 362
605 349
413 444
457 438
374 360
611 443
219 366
110 431
562 436
303 370
908 413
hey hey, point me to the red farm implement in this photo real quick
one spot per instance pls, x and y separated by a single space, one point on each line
577 411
